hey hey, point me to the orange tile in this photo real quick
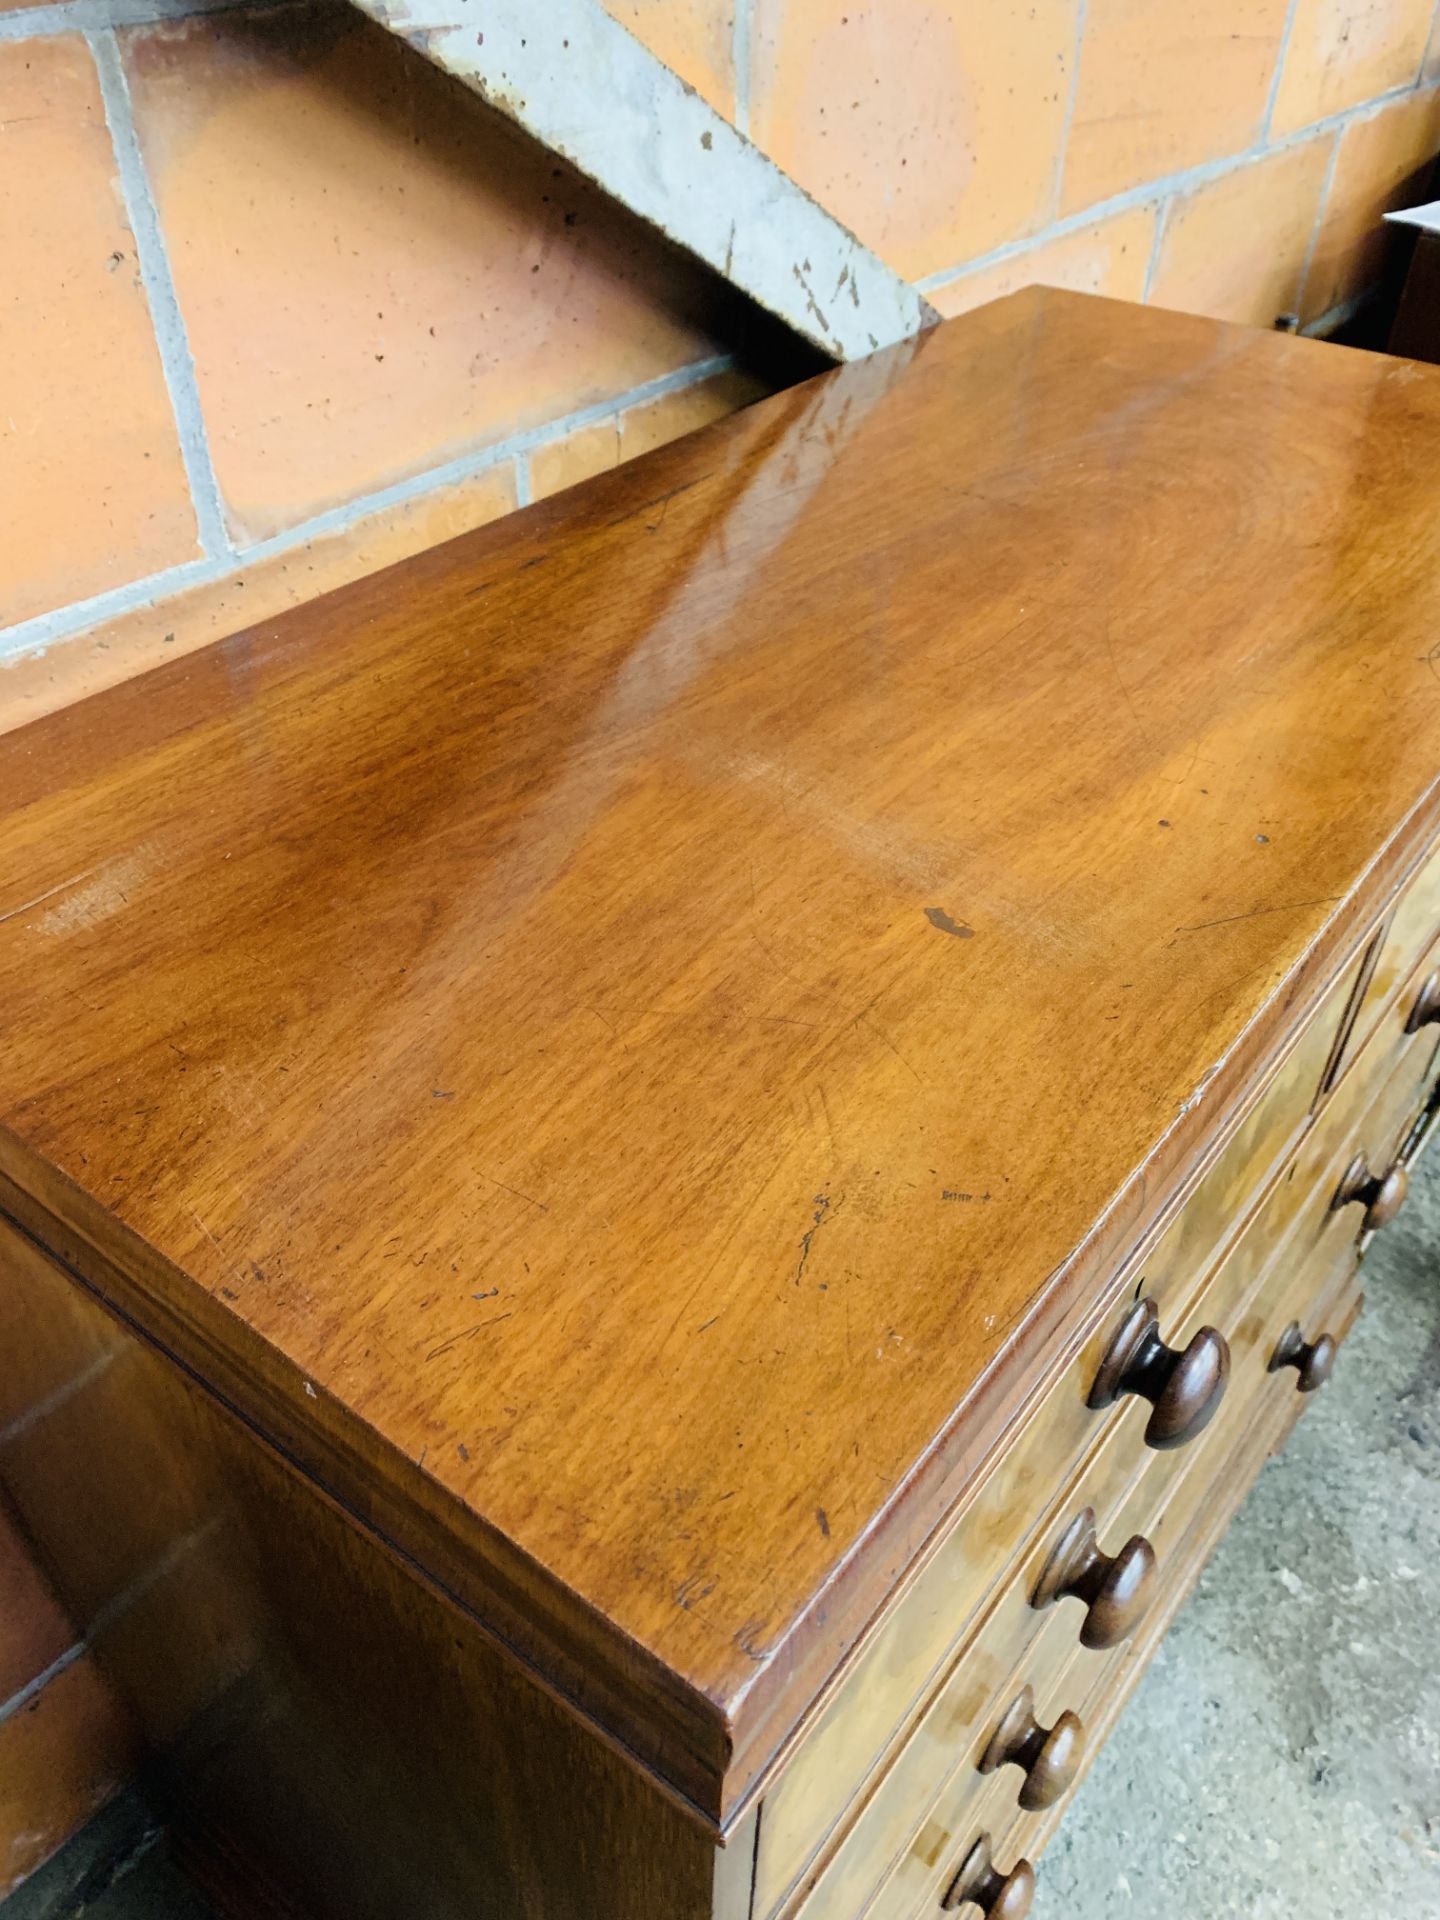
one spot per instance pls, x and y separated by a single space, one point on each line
1384 161
695 38
1342 52
90 470
1237 247
377 273
595 449
118 649
930 127
657 422
1110 256
33 1630
62 1756
1161 92
579 456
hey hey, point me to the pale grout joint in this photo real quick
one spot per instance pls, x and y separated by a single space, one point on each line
64 623
165 314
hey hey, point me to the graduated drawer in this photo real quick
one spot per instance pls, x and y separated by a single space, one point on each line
1403 949
1182 1525
941 1600
1263 1285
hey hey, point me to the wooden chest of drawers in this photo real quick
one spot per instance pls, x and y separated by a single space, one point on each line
663 1174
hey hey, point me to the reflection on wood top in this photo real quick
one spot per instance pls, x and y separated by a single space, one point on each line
615 1021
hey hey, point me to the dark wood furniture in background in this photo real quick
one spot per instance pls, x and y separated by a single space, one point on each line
664 1172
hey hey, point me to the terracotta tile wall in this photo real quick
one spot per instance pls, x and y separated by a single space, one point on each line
281 305
65 1743
292 305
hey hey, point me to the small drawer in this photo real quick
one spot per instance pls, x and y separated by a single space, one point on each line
1407 948
939 1605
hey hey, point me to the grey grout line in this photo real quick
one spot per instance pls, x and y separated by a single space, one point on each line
468 466
52 1403
64 623
1336 316
94 16
105 1617
1282 54
742 51
1082 14
1315 231
32 1688
1163 188
169 322
1430 44
524 492
1162 221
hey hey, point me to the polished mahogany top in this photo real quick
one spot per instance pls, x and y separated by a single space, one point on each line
616 1041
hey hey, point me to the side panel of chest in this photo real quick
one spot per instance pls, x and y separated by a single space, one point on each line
337 1739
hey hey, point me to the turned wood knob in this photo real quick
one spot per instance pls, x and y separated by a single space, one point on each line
1313 1360
1049 1760
1381 1194
1004 1896
1116 1591
1184 1386
1426 1009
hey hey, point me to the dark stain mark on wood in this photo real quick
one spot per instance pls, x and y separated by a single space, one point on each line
467 1333
1256 913
822 1208
938 917
529 1199
690 1591
822 1520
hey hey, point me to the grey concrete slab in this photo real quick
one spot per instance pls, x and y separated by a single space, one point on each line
1282 1754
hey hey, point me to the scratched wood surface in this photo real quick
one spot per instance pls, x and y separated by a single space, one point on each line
606 1040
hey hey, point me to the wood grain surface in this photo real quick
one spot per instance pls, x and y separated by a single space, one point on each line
616 1041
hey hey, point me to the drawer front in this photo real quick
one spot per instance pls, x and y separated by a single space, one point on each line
1410 934
939 1606
1184 1529
1283 1263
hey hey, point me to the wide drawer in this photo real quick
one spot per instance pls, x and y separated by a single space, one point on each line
937 1609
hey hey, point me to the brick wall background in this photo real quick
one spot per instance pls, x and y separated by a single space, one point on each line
290 305
279 305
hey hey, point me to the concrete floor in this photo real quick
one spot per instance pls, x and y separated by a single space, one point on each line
1282 1754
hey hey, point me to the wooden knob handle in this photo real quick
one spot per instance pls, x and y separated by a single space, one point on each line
1004 1896
1184 1387
1050 1760
1313 1360
1426 1009
1381 1194
1116 1591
